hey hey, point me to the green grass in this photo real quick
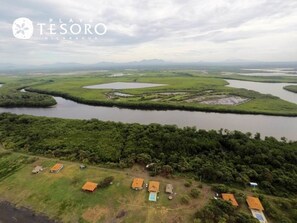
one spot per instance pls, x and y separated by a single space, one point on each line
292 88
60 197
193 83
148 98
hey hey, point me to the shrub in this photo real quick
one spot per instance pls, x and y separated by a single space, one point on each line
185 200
195 193
188 183
106 182
220 188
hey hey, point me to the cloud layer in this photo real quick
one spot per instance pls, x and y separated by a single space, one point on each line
175 30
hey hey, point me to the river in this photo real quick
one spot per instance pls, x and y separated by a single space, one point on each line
275 89
276 126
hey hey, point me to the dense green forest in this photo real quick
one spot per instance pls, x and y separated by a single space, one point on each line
232 158
12 96
15 98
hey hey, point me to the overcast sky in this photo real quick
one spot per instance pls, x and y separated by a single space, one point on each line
172 30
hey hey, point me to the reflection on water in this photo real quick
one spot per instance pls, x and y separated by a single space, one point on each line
275 89
266 125
271 72
266 74
123 85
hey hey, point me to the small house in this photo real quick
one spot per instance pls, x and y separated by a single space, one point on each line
230 198
169 189
37 169
56 168
89 186
154 186
256 208
254 203
137 184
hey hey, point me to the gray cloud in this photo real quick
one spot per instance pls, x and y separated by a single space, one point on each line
141 29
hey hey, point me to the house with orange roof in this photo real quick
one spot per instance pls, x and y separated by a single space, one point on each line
254 203
154 186
230 198
137 184
256 208
89 186
57 168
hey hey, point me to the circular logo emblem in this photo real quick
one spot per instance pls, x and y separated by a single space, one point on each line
22 28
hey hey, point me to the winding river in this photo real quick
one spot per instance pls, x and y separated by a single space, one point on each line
266 125
275 89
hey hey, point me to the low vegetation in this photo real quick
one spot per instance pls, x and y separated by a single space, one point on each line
219 211
60 196
292 88
184 90
106 182
193 93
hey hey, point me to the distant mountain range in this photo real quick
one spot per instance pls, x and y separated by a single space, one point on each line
143 64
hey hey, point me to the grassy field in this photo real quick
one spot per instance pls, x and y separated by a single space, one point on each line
184 90
192 91
292 88
60 197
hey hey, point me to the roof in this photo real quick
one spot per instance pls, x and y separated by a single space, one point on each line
230 198
89 186
37 169
254 203
137 182
169 188
57 167
154 186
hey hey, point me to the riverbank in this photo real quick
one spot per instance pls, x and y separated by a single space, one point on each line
10 213
287 109
154 98
292 88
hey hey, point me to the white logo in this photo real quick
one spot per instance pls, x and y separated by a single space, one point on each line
22 28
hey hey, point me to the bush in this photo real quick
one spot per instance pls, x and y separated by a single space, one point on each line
185 200
106 182
220 188
195 193
188 183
